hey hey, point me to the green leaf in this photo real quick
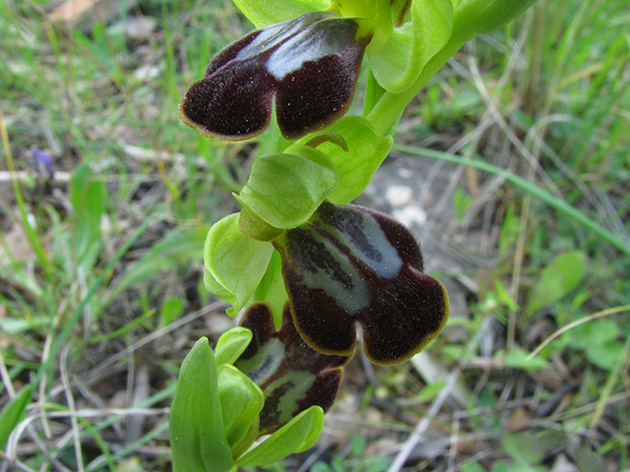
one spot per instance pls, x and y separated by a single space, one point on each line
262 13
285 189
171 309
235 263
605 356
12 413
87 196
366 152
525 448
593 333
241 402
296 436
400 62
564 273
198 439
518 358
231 345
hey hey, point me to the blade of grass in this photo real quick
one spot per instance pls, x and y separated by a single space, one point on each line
530 188
68 326
31 235
124 329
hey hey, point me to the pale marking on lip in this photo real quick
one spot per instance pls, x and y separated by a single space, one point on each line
350 299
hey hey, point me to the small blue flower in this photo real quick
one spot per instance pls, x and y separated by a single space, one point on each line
42 162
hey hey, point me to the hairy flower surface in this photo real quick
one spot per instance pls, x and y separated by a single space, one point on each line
351 265
309 65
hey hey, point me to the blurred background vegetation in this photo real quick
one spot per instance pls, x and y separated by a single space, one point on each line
105 199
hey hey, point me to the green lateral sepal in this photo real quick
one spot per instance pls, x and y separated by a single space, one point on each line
235 264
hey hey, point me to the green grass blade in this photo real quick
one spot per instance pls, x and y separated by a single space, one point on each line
69 325
12 413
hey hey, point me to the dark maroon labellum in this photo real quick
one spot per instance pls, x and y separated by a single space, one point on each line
309 64
351 265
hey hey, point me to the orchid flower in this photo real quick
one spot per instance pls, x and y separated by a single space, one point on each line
309 65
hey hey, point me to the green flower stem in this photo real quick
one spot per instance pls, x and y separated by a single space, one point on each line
390 106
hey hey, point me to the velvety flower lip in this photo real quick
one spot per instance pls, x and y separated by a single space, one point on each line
292 375
351 265
308 64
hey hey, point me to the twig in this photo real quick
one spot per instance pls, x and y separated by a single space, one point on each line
10 461
59 178
6 378
422 426
63 366
96 371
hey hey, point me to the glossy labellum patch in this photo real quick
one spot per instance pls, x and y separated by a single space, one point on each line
309 64
292 375
351 265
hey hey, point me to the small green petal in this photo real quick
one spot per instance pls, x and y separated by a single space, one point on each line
231 345
241 402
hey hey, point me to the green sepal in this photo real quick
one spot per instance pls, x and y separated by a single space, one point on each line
400 61
231 344
234 263
366 151
473 17
198 440
285 189
241 402
262 13
298 435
